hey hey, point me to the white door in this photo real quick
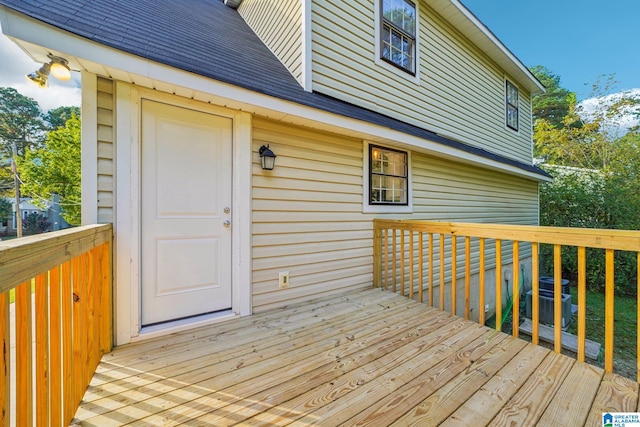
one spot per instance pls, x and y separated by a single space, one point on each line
185 212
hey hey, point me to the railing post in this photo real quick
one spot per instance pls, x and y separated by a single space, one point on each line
467 277
535 294
515 306
5 361
377 255
481 283
608 311
498 284
454 274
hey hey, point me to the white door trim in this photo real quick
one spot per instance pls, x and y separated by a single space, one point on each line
127 229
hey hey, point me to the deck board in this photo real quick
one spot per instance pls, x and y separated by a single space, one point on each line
367 357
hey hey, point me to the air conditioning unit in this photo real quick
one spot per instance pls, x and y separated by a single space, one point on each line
546 307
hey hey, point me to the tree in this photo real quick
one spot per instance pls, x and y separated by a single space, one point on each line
596 179
6 209
20 121
55 169
554 104
21 129
58 117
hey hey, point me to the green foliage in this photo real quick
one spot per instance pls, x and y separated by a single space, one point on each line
553 105
58 117
55 169
588 198
596 179
35 223
6 208
20 121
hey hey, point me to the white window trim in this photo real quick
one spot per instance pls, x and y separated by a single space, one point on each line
369 208
504 108
378 46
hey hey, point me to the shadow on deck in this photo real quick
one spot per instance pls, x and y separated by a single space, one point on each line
367 357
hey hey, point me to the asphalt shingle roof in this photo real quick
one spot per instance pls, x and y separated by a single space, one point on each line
206 37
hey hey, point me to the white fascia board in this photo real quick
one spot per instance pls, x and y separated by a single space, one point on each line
35 32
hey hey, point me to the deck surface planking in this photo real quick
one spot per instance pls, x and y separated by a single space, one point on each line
365 357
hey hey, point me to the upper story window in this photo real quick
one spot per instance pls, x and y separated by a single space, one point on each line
512 102
398 35
388 176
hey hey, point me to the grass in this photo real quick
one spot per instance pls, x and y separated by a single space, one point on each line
625 329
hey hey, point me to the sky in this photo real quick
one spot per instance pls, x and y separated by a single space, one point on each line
579 40
16 65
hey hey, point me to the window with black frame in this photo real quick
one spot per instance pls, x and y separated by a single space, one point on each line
388 176
398 36
512 106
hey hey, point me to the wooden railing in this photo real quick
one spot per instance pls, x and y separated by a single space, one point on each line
61 321
406 259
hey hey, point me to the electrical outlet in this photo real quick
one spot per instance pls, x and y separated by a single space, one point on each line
486 308
283 279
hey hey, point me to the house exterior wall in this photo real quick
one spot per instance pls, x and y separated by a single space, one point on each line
459 92
279 26
308 212
106 151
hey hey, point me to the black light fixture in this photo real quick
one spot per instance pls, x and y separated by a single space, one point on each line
57 66
267 158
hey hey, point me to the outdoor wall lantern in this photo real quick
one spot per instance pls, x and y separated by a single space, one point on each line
267 158
59 67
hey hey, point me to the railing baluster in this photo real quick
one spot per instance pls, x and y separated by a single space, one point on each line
106 300
498 284
55 342
430 269
608 311
377 257
394 261
481 283
78 329
442 272
454 273
535 294
402 261
67 343
24 355
557 298
421 265
386 258
582 302
5 361
42 350
515 307
467 278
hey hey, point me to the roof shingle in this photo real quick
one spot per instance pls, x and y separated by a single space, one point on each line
206 37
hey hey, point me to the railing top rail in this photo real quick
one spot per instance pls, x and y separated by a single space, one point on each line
624 240
22 259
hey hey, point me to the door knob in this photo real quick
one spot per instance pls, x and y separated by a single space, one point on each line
227 223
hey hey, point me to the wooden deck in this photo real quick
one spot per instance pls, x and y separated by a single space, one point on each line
360 358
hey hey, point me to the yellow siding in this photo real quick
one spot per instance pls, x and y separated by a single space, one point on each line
307 212
279 25
106 165
460 92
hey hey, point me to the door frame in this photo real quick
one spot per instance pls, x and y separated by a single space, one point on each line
127 231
